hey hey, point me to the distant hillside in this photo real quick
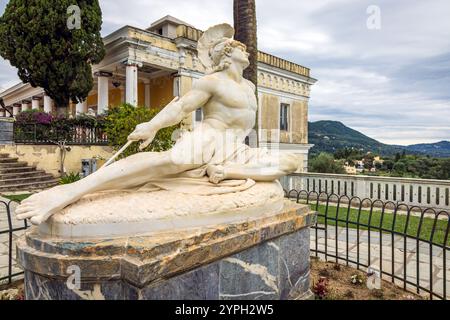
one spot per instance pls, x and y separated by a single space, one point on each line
329 136
439 149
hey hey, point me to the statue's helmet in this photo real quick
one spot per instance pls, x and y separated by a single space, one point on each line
212 45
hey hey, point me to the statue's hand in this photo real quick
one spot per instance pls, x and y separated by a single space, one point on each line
143 132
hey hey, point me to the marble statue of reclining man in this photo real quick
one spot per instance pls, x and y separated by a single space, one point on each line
229 106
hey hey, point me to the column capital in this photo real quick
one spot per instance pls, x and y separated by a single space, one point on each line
36 98
26 101
132 63
105 74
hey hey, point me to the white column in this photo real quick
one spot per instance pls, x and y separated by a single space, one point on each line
2 113
16 109
103 94
48 104
81 107
147 94
35 103
132 84
176 86
25 106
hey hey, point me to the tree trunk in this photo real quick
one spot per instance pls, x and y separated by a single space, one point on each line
246 32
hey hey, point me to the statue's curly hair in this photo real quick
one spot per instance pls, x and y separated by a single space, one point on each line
221 52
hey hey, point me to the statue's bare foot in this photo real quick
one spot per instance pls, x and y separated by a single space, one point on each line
41 206
216 173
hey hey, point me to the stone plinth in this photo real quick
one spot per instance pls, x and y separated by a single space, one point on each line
265 257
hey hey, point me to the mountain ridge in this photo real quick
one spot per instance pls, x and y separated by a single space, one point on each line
330 136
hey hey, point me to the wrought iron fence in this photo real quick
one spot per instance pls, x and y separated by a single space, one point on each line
408 244
6 220
33 133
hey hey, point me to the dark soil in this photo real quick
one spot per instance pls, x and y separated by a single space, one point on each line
330 281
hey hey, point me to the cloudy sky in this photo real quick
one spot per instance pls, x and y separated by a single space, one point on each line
390 83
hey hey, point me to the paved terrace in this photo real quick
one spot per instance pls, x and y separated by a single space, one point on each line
422 257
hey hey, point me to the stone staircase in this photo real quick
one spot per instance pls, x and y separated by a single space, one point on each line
17 176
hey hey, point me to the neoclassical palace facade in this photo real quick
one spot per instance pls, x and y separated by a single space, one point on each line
149 67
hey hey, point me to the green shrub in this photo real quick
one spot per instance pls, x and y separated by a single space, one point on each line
325 163
70 178
120 121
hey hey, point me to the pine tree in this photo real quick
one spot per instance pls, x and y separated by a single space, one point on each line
53 44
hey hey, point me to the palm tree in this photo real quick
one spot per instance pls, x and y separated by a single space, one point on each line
246 32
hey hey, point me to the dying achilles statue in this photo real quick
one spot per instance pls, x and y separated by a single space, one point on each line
211 159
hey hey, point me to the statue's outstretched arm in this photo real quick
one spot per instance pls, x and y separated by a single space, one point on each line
173 113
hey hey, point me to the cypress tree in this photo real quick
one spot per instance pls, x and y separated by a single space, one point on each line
53 44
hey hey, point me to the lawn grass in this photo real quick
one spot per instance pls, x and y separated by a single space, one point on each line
17 198
388 219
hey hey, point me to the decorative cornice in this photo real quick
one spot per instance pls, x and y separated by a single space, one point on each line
280 83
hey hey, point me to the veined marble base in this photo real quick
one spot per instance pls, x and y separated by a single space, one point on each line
260 258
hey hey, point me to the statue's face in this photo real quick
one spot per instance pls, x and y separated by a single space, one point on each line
241 56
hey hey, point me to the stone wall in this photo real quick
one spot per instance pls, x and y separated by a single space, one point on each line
270 119
48 157
6 131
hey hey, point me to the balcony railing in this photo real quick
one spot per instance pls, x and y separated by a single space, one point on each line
412 192
74 135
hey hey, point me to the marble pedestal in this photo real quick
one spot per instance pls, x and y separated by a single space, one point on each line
259 258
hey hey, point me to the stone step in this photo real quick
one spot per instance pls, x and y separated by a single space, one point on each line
8 160
17 169
17 176
29 186
27 174
43 178
13 164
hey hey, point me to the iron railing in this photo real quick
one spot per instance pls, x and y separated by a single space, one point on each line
425 193
33 133
350 229
11 228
